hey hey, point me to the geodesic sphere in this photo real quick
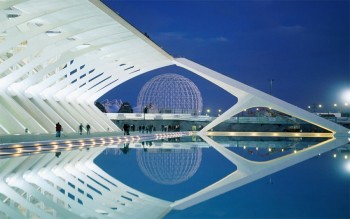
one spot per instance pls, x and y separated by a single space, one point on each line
170 93
169 166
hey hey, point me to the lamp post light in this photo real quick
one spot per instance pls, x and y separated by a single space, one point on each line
335 107
219 112
320 106
345 109
208 112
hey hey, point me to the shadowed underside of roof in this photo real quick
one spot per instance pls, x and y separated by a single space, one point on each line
58 57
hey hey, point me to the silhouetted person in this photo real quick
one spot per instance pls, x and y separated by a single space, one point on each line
58 130
81 128
88 129
58 154
125 149
126 129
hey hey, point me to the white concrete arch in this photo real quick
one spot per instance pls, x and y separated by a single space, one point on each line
249 97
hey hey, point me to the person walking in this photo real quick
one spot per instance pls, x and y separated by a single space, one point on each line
58 130
81 128
88 129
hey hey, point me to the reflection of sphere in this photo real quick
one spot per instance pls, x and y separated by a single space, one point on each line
169 167
170 93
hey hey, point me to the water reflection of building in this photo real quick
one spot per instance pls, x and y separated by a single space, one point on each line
169 166
69 186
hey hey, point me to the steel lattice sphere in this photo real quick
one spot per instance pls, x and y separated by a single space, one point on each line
170 93
169 167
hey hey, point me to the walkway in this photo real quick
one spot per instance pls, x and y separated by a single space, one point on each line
21 145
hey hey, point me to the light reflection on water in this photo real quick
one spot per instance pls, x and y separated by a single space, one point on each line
189 164
172 169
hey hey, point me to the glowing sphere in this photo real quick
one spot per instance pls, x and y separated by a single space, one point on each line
169 166
347 166
170 93
346 96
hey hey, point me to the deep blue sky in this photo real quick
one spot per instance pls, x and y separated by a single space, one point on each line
302 45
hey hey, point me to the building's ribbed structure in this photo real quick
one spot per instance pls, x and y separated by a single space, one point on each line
56 58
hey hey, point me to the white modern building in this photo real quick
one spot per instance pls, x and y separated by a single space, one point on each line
56 59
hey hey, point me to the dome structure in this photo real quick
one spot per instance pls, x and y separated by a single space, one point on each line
169 167
170 93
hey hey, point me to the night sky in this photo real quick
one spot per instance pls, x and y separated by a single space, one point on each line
302 45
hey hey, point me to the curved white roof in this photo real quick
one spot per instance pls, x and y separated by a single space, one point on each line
72 51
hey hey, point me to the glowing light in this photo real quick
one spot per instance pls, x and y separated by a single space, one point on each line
319 105
295 151
334 155
257 148
346 157
244 147
270 149
347 166
346 95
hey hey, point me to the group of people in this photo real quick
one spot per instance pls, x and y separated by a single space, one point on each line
87 129
59 129
148 128
170 128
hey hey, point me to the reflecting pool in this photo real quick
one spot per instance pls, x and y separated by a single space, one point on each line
172 169
175 176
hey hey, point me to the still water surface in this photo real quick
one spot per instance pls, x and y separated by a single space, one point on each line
316 188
